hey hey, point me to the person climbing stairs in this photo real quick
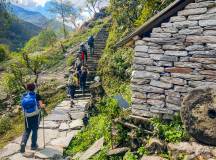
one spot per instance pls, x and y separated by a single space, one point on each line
64 122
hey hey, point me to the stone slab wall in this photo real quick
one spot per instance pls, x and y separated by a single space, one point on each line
178 56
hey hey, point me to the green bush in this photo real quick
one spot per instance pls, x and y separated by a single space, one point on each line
118 64
108 107
172 131
5 125
142 151
45 38
130 156
149 9
4 52
70 60
102 155
98 127
10 84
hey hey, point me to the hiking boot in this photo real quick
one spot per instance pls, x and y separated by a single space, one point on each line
22 148
34 147
72 104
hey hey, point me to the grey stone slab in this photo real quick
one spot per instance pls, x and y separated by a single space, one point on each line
61 110
77 115
96 147
49 152
9 149
49 135
64 127
17 140
57 117
65 103
64 141
19 156
76 124
49 125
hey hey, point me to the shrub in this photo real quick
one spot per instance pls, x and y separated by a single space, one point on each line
70 60
130 156
5 125
10 84
45 38
98 127
142 151
108 107
4 52
172 131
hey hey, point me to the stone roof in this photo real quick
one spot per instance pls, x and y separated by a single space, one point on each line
155 21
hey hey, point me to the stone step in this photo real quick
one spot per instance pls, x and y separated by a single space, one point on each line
78 92
81 95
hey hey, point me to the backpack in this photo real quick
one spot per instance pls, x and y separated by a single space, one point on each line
73 81
30 105
83 56
91 41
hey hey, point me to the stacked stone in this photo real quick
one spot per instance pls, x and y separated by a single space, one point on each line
178 56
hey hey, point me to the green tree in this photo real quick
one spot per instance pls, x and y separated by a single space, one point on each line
93 5
34 64
62 9
151 7
46 38
75 16
126 12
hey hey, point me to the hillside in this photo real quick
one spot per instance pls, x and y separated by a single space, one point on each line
35 18
18 33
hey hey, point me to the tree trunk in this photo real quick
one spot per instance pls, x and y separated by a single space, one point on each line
63 20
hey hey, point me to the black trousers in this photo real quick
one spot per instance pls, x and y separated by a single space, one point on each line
31 125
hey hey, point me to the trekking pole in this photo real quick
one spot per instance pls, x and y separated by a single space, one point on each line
44 113
43 133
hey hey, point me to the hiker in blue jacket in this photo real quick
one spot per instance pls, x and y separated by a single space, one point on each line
91 45
31 103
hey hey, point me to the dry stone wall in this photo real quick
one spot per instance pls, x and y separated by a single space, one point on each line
178 56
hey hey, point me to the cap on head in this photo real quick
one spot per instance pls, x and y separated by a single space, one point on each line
31 86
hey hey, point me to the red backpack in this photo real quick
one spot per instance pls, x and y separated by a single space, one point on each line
83 56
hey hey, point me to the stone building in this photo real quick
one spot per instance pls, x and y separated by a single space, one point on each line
175 51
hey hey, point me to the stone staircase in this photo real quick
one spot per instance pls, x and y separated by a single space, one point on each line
92 63
63 123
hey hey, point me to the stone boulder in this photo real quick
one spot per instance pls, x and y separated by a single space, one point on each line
191 150
97 90
198 113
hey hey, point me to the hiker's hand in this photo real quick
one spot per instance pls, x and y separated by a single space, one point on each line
43 112
42 105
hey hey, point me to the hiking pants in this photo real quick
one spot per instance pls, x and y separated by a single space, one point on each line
31 125
71 91
86 57
82 85
91 50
